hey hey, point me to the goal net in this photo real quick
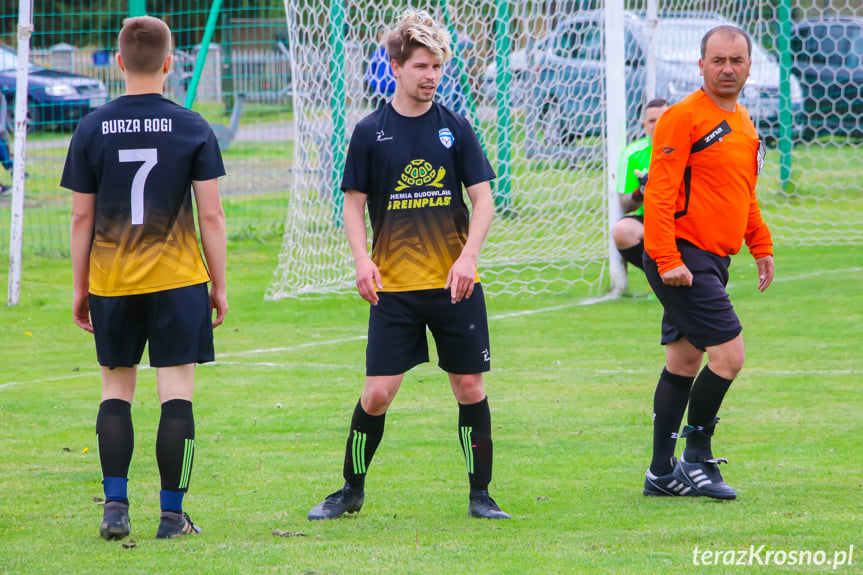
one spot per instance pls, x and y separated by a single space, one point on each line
550 229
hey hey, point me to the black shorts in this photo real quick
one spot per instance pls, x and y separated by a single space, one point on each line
397 332
177 323
702 313
639 217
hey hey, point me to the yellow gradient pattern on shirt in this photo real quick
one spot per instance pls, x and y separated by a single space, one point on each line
419 250
146 258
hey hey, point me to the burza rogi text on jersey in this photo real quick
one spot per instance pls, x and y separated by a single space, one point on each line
135 125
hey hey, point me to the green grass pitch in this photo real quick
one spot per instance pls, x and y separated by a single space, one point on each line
571 391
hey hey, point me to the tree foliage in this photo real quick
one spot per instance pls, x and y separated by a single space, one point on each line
96 22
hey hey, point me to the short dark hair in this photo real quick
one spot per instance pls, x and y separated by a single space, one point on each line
144 43
657 103
727 29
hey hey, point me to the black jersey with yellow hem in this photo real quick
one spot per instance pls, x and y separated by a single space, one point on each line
413 170
139 154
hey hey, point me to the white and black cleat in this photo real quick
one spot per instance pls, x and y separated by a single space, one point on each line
666 485
704 478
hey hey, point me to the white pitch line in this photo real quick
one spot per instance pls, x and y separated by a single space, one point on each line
585 302
805 276
280 365
60 378
776 372
292 348
580 303
96 374
361 337
251 364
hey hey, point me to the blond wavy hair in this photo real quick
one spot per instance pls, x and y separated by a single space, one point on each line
417 29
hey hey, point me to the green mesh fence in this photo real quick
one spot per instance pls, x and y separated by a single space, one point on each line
244 92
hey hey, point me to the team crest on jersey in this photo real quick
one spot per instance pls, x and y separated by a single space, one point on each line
446 137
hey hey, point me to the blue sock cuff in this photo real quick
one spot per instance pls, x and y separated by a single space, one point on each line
115 488
171 500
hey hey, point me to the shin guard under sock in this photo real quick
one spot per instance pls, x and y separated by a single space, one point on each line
706 397
175 445
669 405
116 438
363 440
474 425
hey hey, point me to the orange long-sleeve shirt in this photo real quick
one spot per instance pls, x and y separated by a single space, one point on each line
703 170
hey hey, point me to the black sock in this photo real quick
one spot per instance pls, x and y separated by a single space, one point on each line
175 444
669 405
633 254
708 391
116 442
474 426
363 440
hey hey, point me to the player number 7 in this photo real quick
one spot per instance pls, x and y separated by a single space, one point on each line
150 159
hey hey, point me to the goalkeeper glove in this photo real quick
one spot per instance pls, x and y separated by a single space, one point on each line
638 195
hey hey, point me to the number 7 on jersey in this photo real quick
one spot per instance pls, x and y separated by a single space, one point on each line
150 159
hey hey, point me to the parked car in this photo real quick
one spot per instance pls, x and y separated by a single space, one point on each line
521 64
568 98
54 98
828 58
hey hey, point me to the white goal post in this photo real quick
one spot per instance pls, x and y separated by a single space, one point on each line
16 234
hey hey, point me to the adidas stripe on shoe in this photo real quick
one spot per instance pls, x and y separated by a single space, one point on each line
704 478
666 485
173 525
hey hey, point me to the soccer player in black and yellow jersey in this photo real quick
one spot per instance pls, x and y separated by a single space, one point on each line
138 273
408 161
699 208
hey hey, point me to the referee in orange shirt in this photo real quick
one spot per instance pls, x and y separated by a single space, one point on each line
699 208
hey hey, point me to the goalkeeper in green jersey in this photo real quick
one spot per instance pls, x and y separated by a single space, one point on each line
628 232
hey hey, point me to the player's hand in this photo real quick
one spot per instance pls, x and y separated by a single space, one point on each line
679 276
461 278
765 272
219 303
81 311
638 195
368 276
642 177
